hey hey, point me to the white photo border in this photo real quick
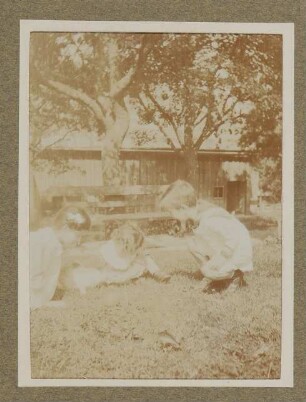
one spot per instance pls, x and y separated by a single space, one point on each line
284 29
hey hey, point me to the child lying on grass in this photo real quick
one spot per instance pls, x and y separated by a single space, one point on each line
221 244
121 259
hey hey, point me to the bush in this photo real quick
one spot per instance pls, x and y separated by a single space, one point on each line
255 222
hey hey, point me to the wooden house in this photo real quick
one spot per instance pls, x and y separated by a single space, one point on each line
225 176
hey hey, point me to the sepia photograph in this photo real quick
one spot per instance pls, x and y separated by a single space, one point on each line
156 173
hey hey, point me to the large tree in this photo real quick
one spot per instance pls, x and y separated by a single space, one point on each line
190 86
79 82
195 86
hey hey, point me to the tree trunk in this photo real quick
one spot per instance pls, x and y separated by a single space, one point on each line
190 159
110 156
191 166
110 152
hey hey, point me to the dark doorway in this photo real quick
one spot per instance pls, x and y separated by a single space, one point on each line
236 197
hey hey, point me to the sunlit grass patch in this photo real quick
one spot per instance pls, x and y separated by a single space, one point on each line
114 331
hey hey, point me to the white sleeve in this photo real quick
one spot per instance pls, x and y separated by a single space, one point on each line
52 257
151 265
227 229
111 257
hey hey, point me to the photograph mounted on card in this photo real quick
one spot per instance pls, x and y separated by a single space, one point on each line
156 163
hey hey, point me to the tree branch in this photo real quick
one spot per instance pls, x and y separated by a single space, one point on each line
38 152
206 134
118 87
41 106
165 115
38 142
59 139
225 102
199 120
80 96
122 84
145 107
112 49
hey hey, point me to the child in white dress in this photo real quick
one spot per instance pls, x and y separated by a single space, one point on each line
46 248
119 260
221 244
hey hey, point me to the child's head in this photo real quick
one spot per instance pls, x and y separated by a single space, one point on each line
68 222
180 200
128 239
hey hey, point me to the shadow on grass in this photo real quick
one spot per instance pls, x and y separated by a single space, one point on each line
195 275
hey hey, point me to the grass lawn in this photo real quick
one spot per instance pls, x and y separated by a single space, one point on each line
115 331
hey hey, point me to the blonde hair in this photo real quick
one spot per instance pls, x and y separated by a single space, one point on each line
129 237
177 195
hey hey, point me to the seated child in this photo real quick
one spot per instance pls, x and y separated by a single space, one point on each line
121 259
221 244
46 248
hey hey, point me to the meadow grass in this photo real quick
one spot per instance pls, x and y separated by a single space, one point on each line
114 331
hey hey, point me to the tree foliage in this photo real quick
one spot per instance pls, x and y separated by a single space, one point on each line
189 85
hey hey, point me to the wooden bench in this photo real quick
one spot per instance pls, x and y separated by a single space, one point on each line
103 225
110 205
104 200
129 199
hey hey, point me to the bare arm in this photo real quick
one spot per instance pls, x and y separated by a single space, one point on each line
166 241
154 269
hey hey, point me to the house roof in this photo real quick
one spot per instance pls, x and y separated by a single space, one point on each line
145 139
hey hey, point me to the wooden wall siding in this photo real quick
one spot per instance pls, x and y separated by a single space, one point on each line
143 171
88 173
162 171
129 172
152 169
211 175
72 154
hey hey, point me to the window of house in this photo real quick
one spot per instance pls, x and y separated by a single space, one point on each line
218 192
